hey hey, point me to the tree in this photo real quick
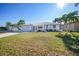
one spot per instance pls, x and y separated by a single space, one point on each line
3 28
65 18
8 24
20 23
14 26
68 18
59 20
56 20
73 16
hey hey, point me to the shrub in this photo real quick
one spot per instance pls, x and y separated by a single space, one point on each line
68 35
3 28
60 35
72 41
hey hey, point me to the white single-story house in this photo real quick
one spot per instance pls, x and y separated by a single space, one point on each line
47 26
44 26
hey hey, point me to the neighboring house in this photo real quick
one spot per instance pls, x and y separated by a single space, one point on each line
12 28
44 26
74 26
27 28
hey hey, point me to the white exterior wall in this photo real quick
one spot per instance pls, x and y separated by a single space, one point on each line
58 27
12 29
47 27
27 28
41 27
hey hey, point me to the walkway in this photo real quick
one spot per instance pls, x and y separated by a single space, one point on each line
7 34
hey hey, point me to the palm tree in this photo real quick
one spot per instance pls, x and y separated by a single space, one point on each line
71 17
20 24
8 24
14 26
74 17
59 20
55 20
65 20
68 18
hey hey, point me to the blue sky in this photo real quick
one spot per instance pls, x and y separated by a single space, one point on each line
32 12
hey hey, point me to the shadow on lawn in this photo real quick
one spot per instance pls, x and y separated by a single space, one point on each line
71 41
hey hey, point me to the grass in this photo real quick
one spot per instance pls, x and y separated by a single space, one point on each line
34 44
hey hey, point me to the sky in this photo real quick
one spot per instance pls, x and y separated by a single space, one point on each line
33 12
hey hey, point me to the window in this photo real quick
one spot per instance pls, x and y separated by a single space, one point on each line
46 26
54 26
40 27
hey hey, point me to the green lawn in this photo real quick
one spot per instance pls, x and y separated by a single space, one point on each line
34 43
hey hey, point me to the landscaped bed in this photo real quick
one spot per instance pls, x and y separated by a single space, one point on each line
71 40
34 43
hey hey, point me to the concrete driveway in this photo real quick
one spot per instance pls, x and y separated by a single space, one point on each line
7 34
